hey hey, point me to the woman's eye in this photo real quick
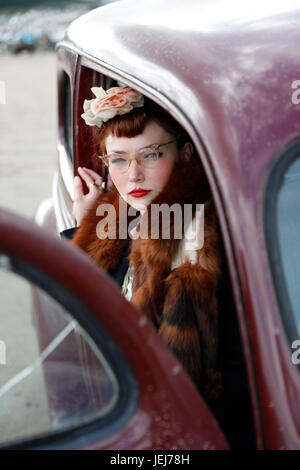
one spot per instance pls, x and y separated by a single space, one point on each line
151 155
116 160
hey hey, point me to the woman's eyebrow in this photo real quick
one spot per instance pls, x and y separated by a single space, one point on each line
147 146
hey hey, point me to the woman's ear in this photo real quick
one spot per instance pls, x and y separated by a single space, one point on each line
186 151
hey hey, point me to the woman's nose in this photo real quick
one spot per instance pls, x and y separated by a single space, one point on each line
135 171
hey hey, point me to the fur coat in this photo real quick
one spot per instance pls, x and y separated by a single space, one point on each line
180 299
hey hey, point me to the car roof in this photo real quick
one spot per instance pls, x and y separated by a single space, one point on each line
226 66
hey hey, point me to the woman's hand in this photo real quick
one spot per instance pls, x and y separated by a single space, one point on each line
84 202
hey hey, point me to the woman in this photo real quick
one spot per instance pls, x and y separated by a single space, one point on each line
151 162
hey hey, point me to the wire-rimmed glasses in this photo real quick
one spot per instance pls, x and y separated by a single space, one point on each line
146 157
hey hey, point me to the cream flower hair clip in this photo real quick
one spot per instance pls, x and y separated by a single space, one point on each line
107 104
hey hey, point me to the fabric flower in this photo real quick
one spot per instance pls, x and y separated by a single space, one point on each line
106 105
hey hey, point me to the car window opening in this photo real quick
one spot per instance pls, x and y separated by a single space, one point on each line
225 389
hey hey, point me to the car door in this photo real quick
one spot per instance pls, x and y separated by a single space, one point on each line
102 379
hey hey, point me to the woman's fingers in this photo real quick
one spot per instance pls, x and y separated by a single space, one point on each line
84 202
91 178
85 176
96 177
78 190
99 179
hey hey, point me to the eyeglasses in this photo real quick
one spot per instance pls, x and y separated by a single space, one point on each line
147 157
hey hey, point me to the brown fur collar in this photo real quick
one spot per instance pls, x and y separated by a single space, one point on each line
180 302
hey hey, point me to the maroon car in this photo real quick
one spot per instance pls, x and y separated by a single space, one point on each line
230 75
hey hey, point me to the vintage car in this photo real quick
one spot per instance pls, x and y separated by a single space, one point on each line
228 72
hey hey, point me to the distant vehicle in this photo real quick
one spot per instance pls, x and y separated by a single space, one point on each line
229 73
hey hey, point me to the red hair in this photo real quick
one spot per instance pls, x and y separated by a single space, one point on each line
133 123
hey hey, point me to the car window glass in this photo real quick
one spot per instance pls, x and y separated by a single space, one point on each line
52 375
282 230
288 229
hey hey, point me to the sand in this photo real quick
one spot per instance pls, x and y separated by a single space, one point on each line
27 130
27 163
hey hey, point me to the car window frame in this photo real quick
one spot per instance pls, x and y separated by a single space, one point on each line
127 402
118 75
277 171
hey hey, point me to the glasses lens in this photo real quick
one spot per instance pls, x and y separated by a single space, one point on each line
149 157
117 162
120 163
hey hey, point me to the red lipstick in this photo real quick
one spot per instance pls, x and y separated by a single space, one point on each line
139 192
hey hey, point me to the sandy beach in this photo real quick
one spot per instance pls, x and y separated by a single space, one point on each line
27 163
27 130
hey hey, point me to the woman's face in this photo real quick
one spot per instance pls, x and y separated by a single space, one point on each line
138 178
